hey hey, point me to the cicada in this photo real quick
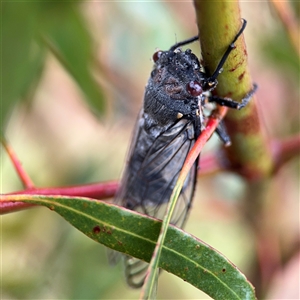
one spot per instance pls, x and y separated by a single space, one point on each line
168 125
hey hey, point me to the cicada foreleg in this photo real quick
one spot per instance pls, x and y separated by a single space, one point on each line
231 103
221 129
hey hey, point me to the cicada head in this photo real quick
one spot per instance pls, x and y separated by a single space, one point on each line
175 87
178 73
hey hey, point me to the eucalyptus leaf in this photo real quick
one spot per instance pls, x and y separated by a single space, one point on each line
22 58
66 35
134 234
28 29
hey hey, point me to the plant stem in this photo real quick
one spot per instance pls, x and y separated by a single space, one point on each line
24 177
218 23
289 21
101 190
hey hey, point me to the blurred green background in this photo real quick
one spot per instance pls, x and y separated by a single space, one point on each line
73 77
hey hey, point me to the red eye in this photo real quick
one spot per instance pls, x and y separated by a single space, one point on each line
194 88
156 56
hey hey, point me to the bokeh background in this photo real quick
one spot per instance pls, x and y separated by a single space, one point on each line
73 77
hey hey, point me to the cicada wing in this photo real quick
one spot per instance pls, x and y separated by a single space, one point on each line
135 269
149 178
115 256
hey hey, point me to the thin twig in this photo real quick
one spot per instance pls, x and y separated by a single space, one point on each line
289 21
102 190
27 182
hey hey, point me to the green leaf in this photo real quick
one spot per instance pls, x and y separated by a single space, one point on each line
63 31
22 59
66 35
136 235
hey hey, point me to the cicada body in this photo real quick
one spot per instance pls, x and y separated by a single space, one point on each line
169 123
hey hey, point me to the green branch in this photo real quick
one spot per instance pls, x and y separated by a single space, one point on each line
218 23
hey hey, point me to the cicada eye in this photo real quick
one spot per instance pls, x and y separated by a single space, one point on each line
156 56
194 88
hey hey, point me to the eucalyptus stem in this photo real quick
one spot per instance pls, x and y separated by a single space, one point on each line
218 23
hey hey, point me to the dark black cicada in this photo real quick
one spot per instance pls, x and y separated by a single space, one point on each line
169 123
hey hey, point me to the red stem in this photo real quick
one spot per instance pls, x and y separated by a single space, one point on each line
9 207
102 190
211 126
27 183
